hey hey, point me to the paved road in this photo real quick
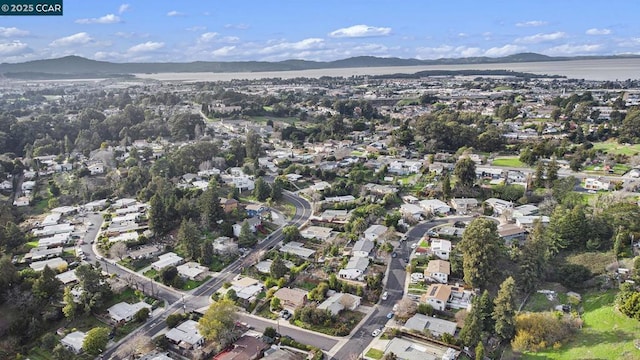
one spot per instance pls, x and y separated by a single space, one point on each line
200 297
307 337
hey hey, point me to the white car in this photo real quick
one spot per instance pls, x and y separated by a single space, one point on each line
376 332
395 308
415 245
385 296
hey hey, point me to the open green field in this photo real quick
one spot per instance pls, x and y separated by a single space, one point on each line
607 334
263 119
511 161
374 354
612 147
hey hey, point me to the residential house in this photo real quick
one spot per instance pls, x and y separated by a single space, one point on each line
336 216
246 288
441 248
254 224
291 299
413 211
6 185
596 184
405 167
340 199
28 186
225 245
340 301
438 270
499 206
127 236
317 232
123 203
21 201
245 348
362 248
243 182
527 222
320 186
192 270
355 268
53 230
228 205
511 232
435 326
125 220
96 168
412 349
255 210
464 205
67 277
165 260
123 312
380 189
524 210
39 253
54 241
442 296
186 335
374 232
297 249
435 206
73 341
54 264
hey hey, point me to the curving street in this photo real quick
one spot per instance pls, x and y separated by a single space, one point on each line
200 297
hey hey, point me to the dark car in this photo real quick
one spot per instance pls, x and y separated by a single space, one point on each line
394 254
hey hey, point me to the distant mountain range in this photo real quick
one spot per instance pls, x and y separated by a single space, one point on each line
76 66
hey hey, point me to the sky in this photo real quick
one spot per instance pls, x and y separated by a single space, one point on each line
321 30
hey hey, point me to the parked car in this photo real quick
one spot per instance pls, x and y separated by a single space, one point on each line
414 245
285 314
376 332
395 308
394 254
385 295
389 315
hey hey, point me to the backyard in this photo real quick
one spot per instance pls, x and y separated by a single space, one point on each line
512 161
613 148
607 334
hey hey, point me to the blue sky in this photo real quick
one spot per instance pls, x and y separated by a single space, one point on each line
323 30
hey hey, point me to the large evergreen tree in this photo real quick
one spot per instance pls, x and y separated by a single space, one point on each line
480 247
472 329
465 170
504 311
262 190
189 238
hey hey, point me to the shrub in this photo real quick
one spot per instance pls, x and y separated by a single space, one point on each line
536 331
174 319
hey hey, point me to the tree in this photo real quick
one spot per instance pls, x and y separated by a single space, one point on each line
8 275
504 310
47 286
189 238
390 356
246 238
275 305
472 328
538 180
446 187
209 204
157 215
231 295
276 191
12 237
174 319
253 145
480 247
533 259
485 308
552 171
218 322
96 288
206 253
480 351
290 233
465 170
96 340
278 268
118 250
261 190
270 332
406 308
70 306
168 274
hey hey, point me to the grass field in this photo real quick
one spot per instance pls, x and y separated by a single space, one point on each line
508 161
374 354
611 147
607 334
263 119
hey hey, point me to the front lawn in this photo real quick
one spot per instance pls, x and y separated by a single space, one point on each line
606 334
347 318
192 284
374 354
508 162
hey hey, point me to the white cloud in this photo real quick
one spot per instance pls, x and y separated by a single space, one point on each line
595 31
208 36
230 39
236 26
505 50
146 47
306 44
569 49
13 48
124 8
532 23
81 38
196 28
175 13
539 38
360 31
223 51
12 32
107 19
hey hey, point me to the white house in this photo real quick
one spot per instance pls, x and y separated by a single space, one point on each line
436 326
125 312
192 270
28 186
254 223
362 248
6 185
168 259
441 296
298 249
73 341
441 248
435 206
355 268
54 264
243 182
340 301
596 184
411 210
53 230
464 205
316 232
438 270
374 232
96 168
526 222
186 335
225 245
499 206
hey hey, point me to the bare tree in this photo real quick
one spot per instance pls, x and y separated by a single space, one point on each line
137 345
118 250
406 308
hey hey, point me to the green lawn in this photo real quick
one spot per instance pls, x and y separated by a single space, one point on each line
612 147
192 284
151 273
508 162
607 334
263 119
374 354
